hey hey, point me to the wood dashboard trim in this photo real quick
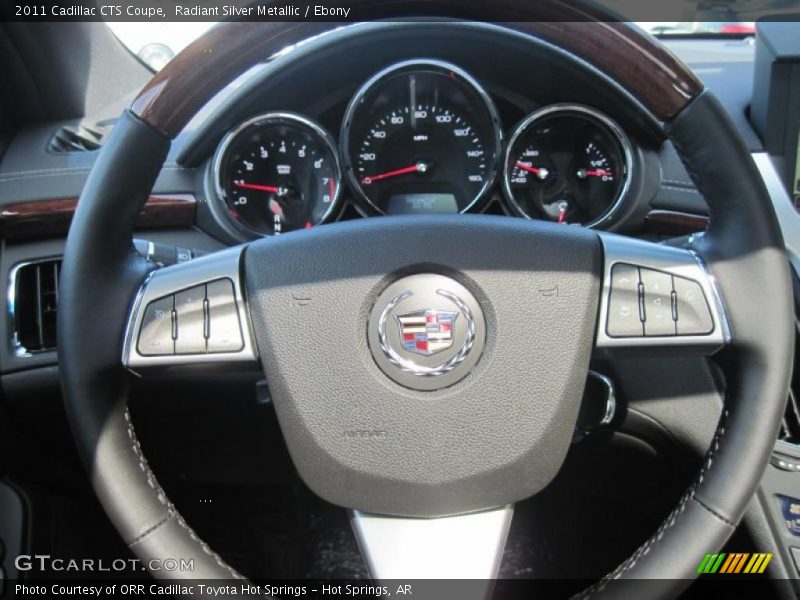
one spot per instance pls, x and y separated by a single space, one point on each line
670 222
635 60
41 219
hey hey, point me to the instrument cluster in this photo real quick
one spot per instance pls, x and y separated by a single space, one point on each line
421 137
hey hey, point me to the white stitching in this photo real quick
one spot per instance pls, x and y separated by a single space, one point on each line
645 548
685 190
679 182
172 512
145 468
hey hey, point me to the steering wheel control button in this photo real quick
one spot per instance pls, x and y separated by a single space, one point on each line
156 336
694 315
190 321
203 319
426 331
657 301
190 313
223 327
652 303
624 319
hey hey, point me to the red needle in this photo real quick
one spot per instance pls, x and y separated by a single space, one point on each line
253 186
527 168
597 173
412 169
562 212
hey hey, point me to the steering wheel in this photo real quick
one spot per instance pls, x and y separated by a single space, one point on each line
431 452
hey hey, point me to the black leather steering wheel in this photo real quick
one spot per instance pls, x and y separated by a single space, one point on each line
446 451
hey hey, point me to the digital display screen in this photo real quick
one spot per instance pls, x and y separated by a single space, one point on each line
421 204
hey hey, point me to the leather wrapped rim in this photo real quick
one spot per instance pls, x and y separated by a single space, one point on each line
743 245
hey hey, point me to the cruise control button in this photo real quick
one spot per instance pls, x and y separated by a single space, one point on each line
623 303
189 308
155 337
224 330
694 314
657 303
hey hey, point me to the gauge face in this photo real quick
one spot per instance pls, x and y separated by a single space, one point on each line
421 137
568 164
276 173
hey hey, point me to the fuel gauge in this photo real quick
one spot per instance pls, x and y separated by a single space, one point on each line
568 164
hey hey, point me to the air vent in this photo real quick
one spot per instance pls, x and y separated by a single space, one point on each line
82 137
35 306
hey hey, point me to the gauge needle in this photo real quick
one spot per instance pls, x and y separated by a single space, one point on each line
562 211
583 173
253 186
541 172
420 167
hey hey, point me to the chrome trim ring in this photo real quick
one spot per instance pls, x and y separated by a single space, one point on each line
449 352
420 63
586 111
219 208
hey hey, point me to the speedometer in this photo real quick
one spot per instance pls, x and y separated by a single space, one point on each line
421 136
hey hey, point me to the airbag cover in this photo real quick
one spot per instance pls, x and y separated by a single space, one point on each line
360 439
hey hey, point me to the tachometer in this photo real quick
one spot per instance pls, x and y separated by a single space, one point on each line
275 173
567 163
421 136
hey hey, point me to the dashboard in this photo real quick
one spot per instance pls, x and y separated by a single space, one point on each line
420 136
424 120
556 141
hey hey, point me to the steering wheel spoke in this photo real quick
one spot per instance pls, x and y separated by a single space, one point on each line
380 363
191 313
657 298
459 547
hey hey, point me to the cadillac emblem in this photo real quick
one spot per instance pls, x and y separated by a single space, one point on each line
426 331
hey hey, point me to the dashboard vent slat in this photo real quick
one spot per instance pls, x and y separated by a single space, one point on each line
35 307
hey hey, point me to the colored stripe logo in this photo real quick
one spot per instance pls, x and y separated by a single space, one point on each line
735 562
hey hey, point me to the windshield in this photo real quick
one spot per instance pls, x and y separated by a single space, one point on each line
699 28
157 43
